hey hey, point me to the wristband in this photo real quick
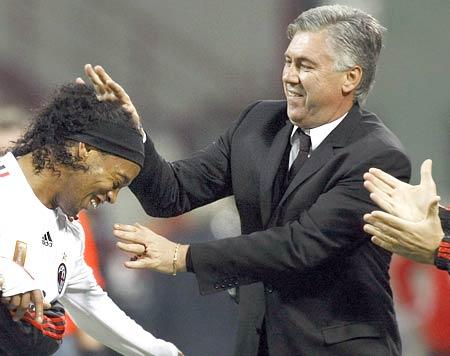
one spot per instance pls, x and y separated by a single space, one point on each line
442 255
175 260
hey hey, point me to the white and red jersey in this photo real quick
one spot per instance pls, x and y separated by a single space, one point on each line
54 263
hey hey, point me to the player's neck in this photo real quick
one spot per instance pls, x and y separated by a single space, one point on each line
45 184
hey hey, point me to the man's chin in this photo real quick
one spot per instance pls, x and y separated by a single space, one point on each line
295 119
71 213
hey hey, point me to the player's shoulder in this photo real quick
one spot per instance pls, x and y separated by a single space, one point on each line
15 192
9 171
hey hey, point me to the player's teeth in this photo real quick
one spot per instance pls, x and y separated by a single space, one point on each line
94 203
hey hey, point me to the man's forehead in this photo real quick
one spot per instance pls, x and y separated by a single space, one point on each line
309 45
123 169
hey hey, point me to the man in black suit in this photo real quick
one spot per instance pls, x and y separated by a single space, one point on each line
309 280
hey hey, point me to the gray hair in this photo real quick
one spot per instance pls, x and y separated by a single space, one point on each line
355 37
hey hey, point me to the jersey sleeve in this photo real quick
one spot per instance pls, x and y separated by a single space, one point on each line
16 279
95 313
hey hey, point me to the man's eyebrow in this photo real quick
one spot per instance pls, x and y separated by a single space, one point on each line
300 59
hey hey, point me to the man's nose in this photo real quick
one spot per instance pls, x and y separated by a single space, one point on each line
291 74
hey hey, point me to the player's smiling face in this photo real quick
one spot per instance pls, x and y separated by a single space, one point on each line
105 176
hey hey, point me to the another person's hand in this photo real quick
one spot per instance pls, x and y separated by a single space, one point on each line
417 241
109 90
411 227
19 304
409 202
149 249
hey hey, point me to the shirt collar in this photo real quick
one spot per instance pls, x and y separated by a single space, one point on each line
319 133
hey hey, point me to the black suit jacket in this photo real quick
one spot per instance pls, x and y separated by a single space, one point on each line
303 265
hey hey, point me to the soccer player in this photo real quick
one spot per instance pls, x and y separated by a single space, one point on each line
77 154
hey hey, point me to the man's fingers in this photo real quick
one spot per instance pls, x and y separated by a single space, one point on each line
138 264
129 236
426 177
15 302
386 245
38 301
19 313
380 217
378 190
125 227
382 203
101 72
386 178
95 79
90 72
136 249
25 302
119 91
433 207
79 81
384 231
374 184
375 231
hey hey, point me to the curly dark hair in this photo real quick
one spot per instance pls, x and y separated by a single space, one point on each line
73 108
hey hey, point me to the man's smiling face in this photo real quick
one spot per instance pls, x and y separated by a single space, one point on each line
313 88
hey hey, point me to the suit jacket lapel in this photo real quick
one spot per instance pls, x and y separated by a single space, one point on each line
268 172
322 154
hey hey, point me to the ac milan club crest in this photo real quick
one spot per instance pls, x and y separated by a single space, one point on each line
62 273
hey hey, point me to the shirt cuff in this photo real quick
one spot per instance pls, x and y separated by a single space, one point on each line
189 264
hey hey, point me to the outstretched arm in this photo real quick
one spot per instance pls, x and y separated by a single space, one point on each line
95 313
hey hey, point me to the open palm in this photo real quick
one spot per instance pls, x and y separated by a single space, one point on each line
406 201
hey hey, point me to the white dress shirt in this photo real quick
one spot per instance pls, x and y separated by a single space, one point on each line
317 134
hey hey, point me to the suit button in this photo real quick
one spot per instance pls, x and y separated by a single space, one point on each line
223 285
216 286
268 288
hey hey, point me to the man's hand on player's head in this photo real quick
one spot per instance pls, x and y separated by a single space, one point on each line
109 90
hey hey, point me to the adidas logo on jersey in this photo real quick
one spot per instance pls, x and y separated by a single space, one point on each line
47 240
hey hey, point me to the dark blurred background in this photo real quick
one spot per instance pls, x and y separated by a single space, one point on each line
191 67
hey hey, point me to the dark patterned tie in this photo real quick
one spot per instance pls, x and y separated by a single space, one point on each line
305 147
